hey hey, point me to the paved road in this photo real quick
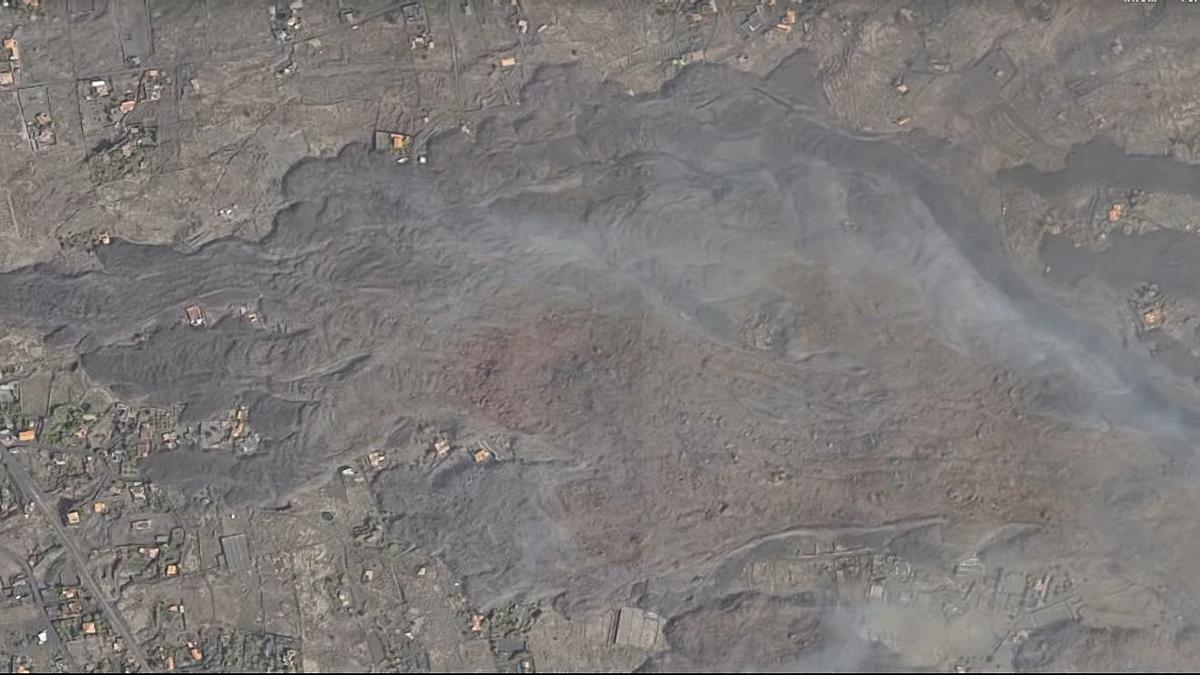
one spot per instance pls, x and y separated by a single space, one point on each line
28 486
36 591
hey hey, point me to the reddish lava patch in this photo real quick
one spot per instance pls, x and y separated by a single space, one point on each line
545 375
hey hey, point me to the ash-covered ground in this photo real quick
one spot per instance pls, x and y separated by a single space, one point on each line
706 318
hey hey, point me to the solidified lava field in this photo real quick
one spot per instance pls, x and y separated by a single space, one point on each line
706 318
